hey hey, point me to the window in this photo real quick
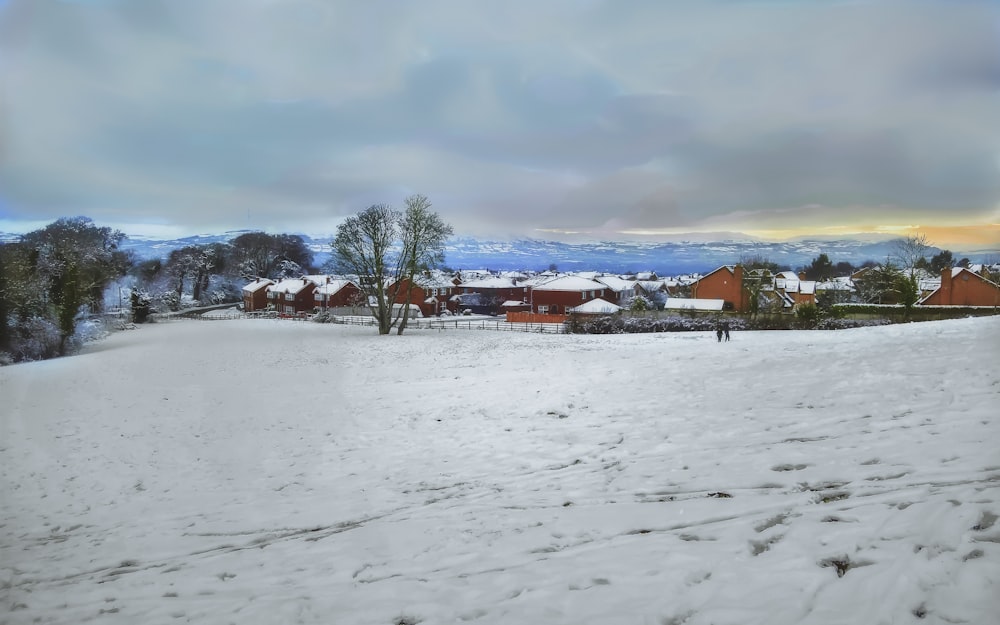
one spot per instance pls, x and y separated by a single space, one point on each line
289 297
543 310
289 310
583 295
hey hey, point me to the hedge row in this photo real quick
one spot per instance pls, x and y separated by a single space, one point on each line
620 324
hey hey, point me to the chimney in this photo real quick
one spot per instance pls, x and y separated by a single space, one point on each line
802 276
945 287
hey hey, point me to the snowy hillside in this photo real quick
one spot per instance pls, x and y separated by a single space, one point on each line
667 258
286 472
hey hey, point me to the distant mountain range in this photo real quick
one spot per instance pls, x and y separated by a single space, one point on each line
665 258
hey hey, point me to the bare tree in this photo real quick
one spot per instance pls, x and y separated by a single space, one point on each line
423 237
386 249
909 251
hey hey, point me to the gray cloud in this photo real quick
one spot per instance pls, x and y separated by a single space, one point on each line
596 116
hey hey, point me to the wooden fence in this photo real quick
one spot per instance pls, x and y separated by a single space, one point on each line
527 317
462 324
430 323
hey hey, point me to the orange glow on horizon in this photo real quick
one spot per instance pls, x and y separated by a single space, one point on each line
970 236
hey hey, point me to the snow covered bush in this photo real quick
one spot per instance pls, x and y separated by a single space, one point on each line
640 303
89 330
323 317
620 324
141 303
838 323
170 300
34 338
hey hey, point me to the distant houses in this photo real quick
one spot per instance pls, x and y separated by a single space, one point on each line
963 287
255 295
559 295
292 296
729 288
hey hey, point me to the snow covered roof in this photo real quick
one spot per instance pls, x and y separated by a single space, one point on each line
492 282
688 303
257 285
835 285
570 283
650 286
291 285
596 307
532 282
434 282
807 287
513 303
730 268
615 283
331 287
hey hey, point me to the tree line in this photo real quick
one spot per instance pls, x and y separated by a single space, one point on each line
54 278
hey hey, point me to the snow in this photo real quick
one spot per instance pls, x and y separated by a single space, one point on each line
256 285
331 288
615 283
269 471
569 283
693 303
489 283
291 285
597 306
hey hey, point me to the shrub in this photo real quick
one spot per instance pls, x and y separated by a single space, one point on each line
619 324
807 315
839 323
141 305
640 303
34 338
323 317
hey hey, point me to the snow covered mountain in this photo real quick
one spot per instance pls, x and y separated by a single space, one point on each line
665 257
668 258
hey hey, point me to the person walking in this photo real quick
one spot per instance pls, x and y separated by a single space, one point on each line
725 329
718 333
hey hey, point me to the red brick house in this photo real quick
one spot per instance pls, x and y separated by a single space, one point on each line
619 290
795 288
437 294
961 287
494 292
292 296
337 293
255 294
556 296
725 283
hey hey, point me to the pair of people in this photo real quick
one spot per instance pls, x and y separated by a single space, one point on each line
722 330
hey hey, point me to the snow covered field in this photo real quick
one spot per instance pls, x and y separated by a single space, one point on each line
267 471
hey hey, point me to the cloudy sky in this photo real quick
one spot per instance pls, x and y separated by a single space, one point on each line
616 119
